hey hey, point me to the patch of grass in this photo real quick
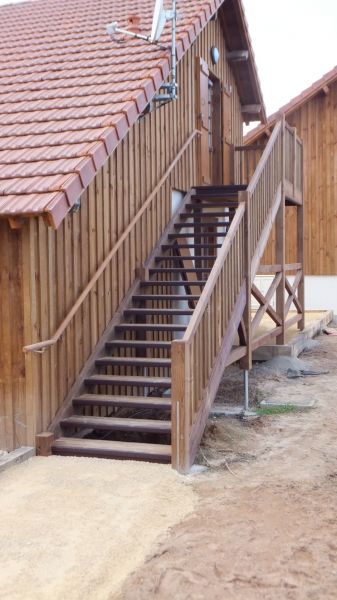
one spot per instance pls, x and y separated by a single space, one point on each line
275 410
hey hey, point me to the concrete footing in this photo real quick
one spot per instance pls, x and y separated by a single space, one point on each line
297 344
15 457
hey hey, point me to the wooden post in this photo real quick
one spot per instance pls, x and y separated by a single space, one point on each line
43 442
246 361
280 246
179 435
294 165
300 258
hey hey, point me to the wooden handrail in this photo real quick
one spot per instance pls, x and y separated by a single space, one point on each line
264 158
41 346
213 276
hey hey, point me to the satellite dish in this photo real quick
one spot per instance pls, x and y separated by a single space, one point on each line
160 17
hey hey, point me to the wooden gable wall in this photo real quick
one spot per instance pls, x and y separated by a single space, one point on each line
57 265
316 124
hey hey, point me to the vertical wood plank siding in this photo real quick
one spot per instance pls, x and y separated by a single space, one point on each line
58 264
12 368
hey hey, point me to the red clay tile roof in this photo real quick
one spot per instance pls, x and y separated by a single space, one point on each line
69 93
293 105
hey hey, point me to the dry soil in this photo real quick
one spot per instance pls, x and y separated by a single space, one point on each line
265 526
74 528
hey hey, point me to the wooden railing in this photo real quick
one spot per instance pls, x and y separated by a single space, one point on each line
199 358
293 150
136 226
263 188
247 158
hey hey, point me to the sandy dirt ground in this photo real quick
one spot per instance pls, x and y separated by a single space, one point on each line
74 528
265 526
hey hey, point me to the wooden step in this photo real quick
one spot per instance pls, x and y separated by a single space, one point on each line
150 327
180 270
117 424
198 213
150 382
128 361
147 402
112 449
221 203
138 344
185 258
175 283
199 246
202 225
174 236
169 297
157 311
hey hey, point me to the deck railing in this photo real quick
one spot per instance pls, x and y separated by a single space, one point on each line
247 158
264 185
198 359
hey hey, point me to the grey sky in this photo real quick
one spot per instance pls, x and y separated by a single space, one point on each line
295 43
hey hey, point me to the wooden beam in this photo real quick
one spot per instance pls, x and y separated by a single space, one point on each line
251 109
269 269
44 443
237 56
16 222
280 247
265 303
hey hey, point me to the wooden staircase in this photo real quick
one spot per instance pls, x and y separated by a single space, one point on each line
123 406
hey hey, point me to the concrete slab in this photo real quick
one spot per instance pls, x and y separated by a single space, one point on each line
17 456
296 341
223 410
301 404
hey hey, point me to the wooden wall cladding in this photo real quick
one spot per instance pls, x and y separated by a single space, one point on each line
316 124
13 417
57 265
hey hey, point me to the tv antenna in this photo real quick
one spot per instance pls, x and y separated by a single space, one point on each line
160 18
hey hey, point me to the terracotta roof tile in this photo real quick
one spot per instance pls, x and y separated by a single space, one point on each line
69 93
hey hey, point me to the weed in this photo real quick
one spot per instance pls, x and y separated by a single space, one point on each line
276 410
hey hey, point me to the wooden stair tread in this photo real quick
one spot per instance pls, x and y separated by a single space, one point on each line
183 258
160 402
201 234
128 380
175 283
181 269
150 327
112 449
117 424
199 213
199 246
132 361
138 344
203 224
157 311
146 297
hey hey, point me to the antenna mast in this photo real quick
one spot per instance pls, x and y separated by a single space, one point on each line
171 87
160 17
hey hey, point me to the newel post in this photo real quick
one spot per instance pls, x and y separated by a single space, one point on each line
180 435
246 361
280 243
